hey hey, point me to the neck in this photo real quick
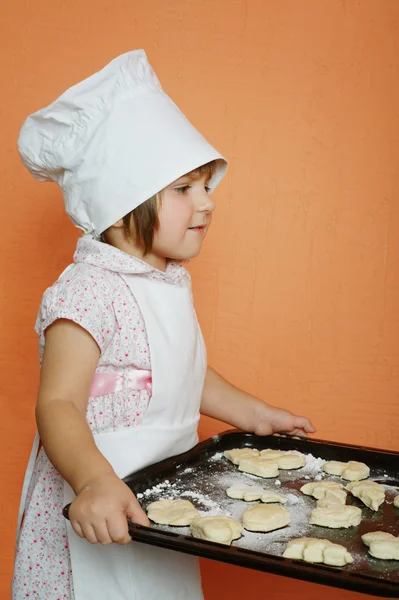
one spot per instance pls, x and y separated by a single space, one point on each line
158 262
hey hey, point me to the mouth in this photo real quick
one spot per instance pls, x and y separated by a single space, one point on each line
198 228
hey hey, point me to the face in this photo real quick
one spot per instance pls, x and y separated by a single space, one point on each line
184 218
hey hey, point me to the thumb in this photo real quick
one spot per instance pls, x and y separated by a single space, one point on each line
136 514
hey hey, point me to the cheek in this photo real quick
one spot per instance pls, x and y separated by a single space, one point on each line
174 218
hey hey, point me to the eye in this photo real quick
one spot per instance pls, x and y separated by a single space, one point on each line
208 189
182 189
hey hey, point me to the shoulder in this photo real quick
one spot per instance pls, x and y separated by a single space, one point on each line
83 294
80 281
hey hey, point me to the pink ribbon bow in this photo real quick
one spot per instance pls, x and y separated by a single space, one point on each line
110 382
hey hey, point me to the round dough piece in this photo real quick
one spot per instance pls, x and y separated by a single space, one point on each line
351 470
336 517
249 493
315 550
372 494
222 530
382 545
238 454
257 465
396 501
172 512
291 460
261 517
285 460
334 467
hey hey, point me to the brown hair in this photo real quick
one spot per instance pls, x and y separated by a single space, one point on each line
145 216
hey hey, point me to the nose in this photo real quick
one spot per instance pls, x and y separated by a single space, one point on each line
205 202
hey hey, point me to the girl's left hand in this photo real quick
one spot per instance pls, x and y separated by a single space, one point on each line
277 420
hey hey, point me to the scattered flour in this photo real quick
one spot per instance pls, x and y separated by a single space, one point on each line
216 457
201 498
313 465
188 470
292 499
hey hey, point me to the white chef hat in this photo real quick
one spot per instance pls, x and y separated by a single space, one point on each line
112 141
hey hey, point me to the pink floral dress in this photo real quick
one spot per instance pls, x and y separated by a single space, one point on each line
92 294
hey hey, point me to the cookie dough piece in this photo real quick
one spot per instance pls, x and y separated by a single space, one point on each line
396 501
332 499
377 536
319 489
336 517
285 460
243 491
351 471
315 550
172 512
261 517
291 460
237 454
382 545
372 494
249 493
222 530
272 454
327 493
257 465
269 497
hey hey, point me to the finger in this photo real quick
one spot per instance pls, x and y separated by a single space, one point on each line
136 513
89 534
102 534
118 529
305 424
77 528
298 432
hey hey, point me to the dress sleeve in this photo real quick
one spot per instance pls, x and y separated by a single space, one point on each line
82 299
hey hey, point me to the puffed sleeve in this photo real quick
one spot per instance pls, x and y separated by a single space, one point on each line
83 298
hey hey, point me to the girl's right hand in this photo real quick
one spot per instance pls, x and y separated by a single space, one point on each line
100 510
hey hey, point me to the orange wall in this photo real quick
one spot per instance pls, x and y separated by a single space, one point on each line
297 289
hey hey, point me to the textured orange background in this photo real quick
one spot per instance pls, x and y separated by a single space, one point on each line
297 288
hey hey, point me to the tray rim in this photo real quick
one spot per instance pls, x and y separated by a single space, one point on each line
252 559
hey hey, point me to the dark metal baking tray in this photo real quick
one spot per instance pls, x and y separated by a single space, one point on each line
203 474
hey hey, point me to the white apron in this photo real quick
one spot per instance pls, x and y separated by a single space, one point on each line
137 571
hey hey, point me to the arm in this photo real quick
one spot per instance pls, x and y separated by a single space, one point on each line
225 402
103 500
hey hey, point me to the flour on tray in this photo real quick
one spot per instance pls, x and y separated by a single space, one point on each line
217 456
201 498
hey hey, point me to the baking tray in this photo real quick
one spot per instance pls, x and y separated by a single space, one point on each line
202 475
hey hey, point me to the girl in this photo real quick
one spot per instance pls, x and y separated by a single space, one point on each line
123 364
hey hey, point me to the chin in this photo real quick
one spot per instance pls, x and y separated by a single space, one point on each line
184 256
182 259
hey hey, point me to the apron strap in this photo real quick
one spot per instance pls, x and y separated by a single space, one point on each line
27 480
